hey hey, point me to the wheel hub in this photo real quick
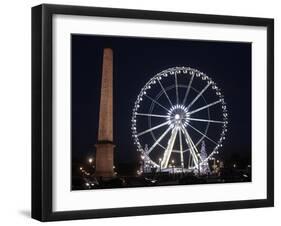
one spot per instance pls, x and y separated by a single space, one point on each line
178 115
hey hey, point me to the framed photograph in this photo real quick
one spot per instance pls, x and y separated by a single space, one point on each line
145 112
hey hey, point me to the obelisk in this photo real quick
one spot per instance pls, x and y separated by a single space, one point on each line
105 146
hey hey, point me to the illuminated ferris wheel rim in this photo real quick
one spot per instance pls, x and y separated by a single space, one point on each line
178 116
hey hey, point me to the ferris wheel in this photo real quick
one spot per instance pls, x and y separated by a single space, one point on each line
176 112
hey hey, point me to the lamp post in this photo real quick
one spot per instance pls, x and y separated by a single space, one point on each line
91 163
149 167
173 166
160 160
142 158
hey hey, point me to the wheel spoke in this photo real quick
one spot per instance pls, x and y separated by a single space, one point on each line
204 107
198 95
156 102
152 115
168 151
202 134
153 128
181 151
195 150
158 140
192 147
203 120
177 92
176 151
165 92
187 91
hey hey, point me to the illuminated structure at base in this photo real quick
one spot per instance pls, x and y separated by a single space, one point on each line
105 146
204 167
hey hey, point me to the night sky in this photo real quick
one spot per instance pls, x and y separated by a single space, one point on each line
136 60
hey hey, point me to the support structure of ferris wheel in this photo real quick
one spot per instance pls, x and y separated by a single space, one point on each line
178 117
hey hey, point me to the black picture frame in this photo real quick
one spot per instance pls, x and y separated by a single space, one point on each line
42 111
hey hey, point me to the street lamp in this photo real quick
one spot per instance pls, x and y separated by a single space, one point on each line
91 163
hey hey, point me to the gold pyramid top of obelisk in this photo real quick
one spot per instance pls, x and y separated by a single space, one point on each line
106 99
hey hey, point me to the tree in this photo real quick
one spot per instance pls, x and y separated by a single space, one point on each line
204 167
